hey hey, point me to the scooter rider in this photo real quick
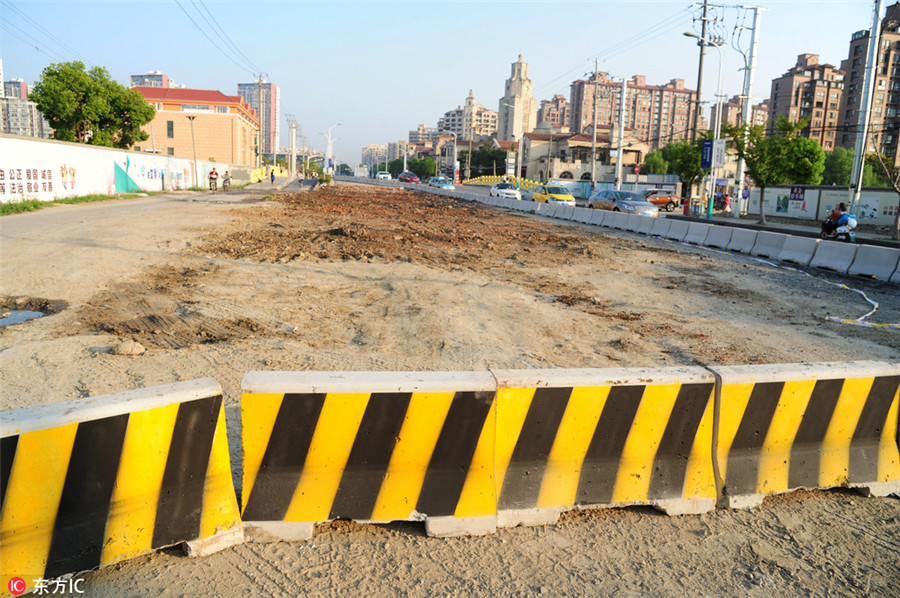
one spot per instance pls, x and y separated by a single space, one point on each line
226 181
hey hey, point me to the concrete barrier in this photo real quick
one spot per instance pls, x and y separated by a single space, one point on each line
367 446
597 217
553 210
798 250
877 262
697 233
567 213
768 244
614 220
583 215
645 225
742 240
89 483
786 427
718 236
678 230
895 277
834 255
589 438
633 222
660 227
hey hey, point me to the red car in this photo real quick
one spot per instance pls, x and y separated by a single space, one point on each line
408 177
664 199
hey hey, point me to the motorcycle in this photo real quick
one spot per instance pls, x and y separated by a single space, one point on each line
840 230
226 184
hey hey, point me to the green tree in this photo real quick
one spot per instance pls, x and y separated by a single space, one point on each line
344 169
485 160
89 107
654 163
891 171
838 166
684 160
423 168
804 162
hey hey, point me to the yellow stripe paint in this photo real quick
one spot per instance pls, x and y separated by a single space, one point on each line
888 455
734 401
775 458
560 485
258 414
132 513
699 479
512 406
219 502
834 463
406 471
329 450
479 497
636 464
32 501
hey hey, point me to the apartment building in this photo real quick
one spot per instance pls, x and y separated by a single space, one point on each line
517 110
218 127
732 111
423 135
884 122
374 154
554 112
265 99
470 121
153 79
15 88
813 90
658 114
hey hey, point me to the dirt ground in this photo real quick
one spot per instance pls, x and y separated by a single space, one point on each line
363 278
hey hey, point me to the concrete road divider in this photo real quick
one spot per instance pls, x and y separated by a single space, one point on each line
633 222
768 244
597 217
645 225
786 427
677 230
89 483
697 233
568 213
570 439
367 446
582 215
834 255
660 227
718 236
877 262
798 250
742 240
614 220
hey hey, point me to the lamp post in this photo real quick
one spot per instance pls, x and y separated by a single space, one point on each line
194 147
718 130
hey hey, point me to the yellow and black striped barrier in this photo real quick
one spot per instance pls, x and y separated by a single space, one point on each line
786 427
87 484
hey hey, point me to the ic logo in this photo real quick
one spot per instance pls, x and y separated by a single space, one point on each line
17 586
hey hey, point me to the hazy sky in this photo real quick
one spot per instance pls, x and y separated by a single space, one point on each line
381 68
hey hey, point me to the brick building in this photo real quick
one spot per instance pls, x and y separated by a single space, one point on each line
733 109
554 112
224 127
813 90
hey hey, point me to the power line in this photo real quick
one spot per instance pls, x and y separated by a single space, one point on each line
206 35
228 39
48 34
31 41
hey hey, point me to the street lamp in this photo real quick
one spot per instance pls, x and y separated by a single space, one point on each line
718 130
194 147
328 150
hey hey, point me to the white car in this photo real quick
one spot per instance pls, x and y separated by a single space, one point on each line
383 176
507 190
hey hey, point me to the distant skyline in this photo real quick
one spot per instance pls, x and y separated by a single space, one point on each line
382 68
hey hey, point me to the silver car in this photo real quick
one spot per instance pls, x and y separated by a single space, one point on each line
507 190
623 201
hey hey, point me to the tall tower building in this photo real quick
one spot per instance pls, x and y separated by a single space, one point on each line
265 98
15 88
471 121
810 90
517 113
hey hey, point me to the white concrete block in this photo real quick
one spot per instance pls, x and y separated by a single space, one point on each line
718 236
742 239
696 233
877 262
798 250
660 227
768 244
678 230
834 255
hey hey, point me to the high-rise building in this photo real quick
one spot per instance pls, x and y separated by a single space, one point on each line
732 111
554 112
15 88
657 114
265 99
471 121
422 135
21 117
517 112
374 154
812 90
152 79
884 122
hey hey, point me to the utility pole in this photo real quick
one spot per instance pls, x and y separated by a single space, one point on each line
194 147
292 165
865 107
746 103
697 111
594 140
619 152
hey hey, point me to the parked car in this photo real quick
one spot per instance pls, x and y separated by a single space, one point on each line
552 194
623 201
507 190
407 177
383 176
662 198
441 182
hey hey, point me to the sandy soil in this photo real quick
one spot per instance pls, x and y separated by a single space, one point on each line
358 278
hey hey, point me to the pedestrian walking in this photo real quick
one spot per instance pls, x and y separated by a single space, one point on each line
272 176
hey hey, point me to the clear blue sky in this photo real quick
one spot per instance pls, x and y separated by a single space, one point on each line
381 68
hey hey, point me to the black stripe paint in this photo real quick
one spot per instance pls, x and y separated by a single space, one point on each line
867 436
282 464
742 474
806 451
367 464
8 446
453 453
181 495
79 531
673 454
601 463
522 483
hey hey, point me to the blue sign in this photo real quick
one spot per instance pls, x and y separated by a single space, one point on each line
706 153
745 193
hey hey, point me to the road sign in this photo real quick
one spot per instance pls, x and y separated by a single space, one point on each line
718 153
706 153
746 192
